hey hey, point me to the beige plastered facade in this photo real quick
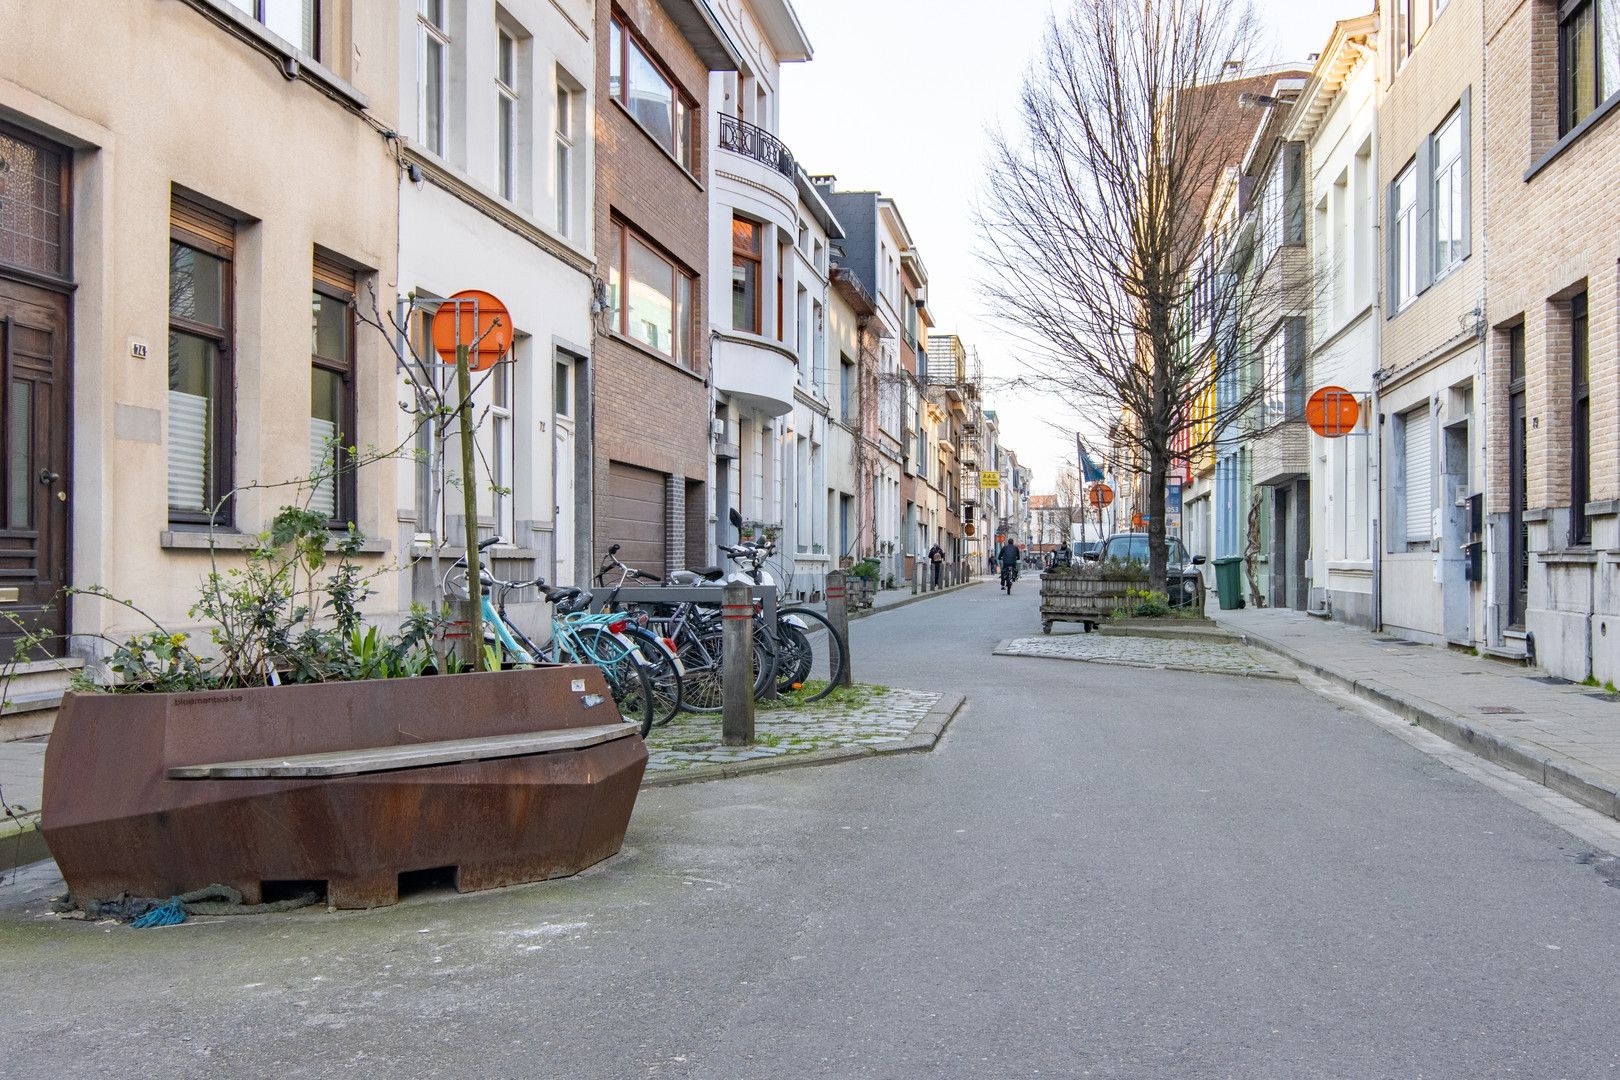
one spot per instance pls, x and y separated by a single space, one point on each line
183 97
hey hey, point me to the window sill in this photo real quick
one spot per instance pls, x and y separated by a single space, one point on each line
422 551
662 149
295 64
1576 133
1606 508
647 350
182 539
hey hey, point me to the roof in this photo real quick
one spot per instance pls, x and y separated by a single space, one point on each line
1351 44
1043 502
697 23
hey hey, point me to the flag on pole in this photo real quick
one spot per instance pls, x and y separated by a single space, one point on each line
1090 471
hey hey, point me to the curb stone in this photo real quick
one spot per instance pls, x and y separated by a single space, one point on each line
917 599
21 842
1004 648
929 730
1564 775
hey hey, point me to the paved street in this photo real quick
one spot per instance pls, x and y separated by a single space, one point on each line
1101 871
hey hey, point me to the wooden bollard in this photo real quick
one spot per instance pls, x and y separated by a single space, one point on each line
838 615
737 665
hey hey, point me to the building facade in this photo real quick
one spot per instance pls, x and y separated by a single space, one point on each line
1553 412
650 420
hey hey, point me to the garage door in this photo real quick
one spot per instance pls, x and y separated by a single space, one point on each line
635 516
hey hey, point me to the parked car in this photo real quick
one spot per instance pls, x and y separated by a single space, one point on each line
1084 549
1182 576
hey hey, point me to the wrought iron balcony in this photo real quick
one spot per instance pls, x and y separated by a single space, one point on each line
741 137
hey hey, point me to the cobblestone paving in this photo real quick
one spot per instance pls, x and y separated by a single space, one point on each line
1214 657
862 716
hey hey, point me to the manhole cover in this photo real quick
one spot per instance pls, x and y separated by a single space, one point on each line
1550 680
1500 710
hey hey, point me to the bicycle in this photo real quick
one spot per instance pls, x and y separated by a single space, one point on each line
800 664
659 653
1009 574
577 637
694 633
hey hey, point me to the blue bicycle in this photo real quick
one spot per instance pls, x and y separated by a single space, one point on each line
577 637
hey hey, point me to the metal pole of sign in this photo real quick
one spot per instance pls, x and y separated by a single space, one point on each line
469 491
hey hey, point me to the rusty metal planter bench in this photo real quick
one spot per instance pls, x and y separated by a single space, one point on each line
506 777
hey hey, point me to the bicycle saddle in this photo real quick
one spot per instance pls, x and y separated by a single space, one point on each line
709 573
561 596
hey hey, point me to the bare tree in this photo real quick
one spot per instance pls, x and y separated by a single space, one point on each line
1096 245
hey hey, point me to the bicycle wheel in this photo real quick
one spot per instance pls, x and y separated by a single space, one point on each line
627 677
812 657
702 655
667 683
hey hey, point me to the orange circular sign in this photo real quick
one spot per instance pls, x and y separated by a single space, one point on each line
475 319
1137 521
969 529
1101 495
1332 412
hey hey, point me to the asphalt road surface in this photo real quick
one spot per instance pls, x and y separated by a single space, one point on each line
1100 872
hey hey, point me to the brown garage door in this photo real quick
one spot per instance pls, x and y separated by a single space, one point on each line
635 511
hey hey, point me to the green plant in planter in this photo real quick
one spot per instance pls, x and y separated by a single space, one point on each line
865 570
1145 604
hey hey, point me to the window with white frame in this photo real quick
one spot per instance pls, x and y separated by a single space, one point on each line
506 112
1274 372
1416 505
298 22
1447 192
502 465
566 96
432 73
1404 263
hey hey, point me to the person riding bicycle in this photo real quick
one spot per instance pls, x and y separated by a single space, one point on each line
1008 557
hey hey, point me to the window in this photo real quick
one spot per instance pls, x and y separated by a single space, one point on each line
1580 423
565 158
1404 261
331 404
1274 373
846 389
201 379
651 298
1588 58
746 256
297 22
782 250
34 212
1447 193
432 68
562 399
502 462
637 82
506 107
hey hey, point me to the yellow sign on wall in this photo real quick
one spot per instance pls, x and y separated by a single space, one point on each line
989 480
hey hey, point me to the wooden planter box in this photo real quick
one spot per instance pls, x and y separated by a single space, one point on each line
863 592
505 777
1087 600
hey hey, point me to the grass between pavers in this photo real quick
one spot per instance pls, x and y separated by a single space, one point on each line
863 715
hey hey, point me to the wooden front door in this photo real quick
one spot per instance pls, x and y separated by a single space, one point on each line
34 467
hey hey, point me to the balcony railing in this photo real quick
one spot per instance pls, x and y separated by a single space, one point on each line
741 137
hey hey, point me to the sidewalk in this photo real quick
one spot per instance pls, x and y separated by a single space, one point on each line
893 598
1561 734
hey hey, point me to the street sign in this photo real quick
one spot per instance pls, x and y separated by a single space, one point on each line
1333 412
1100 495
473 319
989 480
1172 505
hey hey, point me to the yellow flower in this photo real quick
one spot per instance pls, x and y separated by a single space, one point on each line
177 640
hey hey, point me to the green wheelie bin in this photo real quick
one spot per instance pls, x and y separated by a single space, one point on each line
1229 582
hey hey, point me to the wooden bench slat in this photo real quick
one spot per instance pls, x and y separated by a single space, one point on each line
410 756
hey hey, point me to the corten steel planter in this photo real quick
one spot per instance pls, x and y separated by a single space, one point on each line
118 819
1087 600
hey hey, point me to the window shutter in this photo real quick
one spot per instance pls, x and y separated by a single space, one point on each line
1419 512
1425 215
328 271
207 225
1466 122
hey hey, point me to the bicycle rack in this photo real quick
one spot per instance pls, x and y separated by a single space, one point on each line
709 595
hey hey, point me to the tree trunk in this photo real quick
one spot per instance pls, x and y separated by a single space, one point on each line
1158 549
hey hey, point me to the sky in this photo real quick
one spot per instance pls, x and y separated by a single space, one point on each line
901 97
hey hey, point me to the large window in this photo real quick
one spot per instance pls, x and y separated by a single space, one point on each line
432 71
1447 193
746 256
1588 58
200 373
298 22
651 297
1580 422
1518 486
1404 264
636 81
506 112
503 462
331 409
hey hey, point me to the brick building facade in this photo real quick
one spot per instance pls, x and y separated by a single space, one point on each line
1552 293
649 399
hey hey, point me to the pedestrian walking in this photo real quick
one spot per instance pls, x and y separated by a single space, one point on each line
936 558
1008 556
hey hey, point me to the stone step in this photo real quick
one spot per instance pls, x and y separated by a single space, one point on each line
33 696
